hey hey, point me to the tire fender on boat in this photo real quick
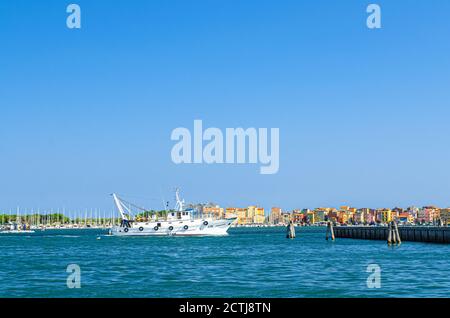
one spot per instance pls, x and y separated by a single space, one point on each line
156 228
185 227
141 229
125 230
170 228
205 223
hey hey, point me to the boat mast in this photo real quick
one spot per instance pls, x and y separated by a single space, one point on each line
180 203
120 206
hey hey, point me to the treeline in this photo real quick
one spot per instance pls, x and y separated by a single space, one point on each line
61 218
34 218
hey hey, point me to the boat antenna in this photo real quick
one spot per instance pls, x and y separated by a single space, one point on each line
163 199
180 203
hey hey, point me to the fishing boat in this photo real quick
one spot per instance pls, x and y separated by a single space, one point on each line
178 222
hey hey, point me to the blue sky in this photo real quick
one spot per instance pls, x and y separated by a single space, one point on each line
363 114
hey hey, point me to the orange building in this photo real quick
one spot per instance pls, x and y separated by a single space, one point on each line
275 215
215 211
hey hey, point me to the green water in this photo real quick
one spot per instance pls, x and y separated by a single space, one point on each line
251 262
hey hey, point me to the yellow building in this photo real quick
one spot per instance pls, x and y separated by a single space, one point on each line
248 221
348 208
240 213
230 213
254 215
445 215
249 215
251 211
260 216
384 215
259 219
260 211
242 216
215 211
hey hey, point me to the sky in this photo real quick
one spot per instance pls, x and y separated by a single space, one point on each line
363 113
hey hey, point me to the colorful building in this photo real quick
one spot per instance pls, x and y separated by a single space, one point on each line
214 211
250 215
298 216
242 216
362 216
320 215
428 214
260 216
413 211
286 217
275 215
445 216
405 217
346 215
383 215
230 212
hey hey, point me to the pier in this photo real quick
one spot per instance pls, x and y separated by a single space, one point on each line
429 234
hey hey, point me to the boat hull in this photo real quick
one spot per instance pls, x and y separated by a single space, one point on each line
204 227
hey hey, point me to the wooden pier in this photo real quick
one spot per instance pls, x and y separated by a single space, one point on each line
429 234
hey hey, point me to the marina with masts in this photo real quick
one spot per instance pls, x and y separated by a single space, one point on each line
23 220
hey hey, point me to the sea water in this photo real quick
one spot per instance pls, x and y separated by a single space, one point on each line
250 262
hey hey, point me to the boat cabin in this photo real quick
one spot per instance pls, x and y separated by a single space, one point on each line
185 215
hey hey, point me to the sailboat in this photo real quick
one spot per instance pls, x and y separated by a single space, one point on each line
178 222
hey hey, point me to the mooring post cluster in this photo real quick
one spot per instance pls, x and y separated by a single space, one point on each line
393 234
290 231
330 231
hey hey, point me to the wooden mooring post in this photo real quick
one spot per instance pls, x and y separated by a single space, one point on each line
393 237
389 238
397 234
290 231
330 232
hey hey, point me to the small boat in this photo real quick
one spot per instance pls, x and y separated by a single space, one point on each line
179 222
13 228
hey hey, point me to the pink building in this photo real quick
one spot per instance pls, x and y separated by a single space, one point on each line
428 214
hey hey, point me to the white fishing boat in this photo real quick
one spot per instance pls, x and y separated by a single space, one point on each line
179 222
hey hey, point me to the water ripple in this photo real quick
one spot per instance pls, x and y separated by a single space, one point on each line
248 263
